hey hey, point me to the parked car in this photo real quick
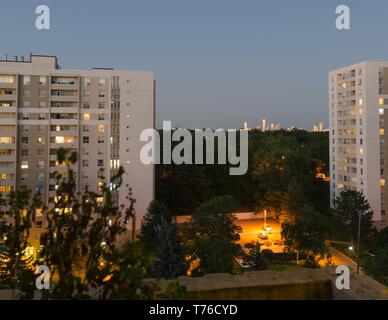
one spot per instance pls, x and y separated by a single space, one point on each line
263 235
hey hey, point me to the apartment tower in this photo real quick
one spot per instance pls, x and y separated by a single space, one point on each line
98 113
358 103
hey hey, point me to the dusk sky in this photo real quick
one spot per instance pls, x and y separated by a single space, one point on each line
217 62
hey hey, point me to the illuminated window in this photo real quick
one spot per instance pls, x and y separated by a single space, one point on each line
6 140
86 117
42 80
59 139
360 101
361 150
24 165
382 182
5 188
101 81
381 132
381 101
344 85
101 128
6 79
381 111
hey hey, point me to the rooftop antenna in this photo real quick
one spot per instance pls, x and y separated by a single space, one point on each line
16 58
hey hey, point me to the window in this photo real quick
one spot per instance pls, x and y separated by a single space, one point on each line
42 104
24 177
101 116
382 182
100 163
26 104
40 176
40 164
85 163
26 80
86 93
42 93
101 128
101 94
86 105
85 139
6 140
85 175
100 139
24 152
42 116
24 140
39 188
360 101
381 132
101 105
86 81
86 117
101 81
381 111
40 140
26 93
40 152
85 128
7 79
42 80
24 165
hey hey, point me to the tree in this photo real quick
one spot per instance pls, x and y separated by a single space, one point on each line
377 266
347 208
80 243
213 235
16 217
306 234
256 257
156 213
169 262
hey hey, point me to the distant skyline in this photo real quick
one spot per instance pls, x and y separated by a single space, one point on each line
217 63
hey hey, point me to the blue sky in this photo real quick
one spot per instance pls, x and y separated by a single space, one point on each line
217 62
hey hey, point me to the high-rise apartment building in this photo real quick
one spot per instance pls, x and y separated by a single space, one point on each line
358 115
98 113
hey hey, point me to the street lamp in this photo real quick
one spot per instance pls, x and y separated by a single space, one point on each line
358 243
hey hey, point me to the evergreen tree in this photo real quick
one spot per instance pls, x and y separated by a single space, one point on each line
156 213
170 257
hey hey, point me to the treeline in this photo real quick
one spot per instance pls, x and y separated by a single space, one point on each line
281 175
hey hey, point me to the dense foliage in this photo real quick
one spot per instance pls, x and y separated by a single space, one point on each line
281 176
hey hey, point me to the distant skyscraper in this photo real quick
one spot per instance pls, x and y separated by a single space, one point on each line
263 125
246 125
321 128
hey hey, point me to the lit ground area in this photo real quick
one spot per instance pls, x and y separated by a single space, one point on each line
251 229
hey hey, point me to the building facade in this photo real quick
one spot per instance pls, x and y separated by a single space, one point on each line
358 114
98 113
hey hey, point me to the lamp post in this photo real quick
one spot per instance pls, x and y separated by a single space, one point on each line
358 243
